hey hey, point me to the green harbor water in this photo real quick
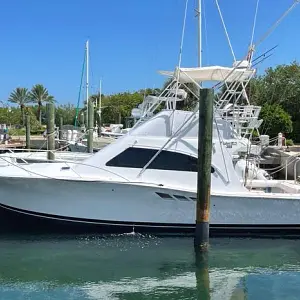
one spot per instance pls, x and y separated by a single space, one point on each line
145 267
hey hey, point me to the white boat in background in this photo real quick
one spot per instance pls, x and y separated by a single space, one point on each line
98 142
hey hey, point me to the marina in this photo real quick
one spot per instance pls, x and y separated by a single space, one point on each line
187 188
158 158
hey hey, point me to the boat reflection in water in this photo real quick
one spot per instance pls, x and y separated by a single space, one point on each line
143 267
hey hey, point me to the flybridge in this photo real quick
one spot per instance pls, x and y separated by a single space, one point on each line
212 73
231 100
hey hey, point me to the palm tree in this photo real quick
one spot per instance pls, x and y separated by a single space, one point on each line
39 94
21 97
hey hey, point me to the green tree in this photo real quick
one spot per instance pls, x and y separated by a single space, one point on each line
279 85
275 120
21 97
35 126
67 112
39 94
115 108
10 116
190 101
148 91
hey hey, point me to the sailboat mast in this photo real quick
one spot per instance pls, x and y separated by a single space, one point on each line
99 110
87 72
200 33
100 91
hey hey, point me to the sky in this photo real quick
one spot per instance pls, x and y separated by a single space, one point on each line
43 41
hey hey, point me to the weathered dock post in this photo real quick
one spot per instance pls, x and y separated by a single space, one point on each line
99 122
204 167
50 130
86 125
90 126
202 275
82 120
61 123
27 120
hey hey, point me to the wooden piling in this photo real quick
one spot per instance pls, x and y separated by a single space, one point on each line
61 123
86 125
202 275
50 130
82 119
204 167
27 124
99 123
90 126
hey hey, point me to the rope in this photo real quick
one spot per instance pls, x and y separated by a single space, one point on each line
291 159
225 29
80 135
281 167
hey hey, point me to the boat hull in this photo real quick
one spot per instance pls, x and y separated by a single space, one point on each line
25 222
29 205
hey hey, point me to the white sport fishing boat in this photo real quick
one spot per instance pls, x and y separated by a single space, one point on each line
146 181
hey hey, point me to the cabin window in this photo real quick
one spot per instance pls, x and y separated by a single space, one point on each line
166 160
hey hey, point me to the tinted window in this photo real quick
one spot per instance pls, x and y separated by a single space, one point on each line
166 160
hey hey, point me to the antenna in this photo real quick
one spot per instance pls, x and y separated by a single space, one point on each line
199 14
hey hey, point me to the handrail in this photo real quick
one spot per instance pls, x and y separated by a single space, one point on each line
295 170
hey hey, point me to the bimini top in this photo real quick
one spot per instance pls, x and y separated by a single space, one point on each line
213 73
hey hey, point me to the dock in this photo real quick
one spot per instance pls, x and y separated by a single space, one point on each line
284 158
12 145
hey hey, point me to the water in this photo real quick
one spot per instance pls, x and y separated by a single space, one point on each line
130 267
